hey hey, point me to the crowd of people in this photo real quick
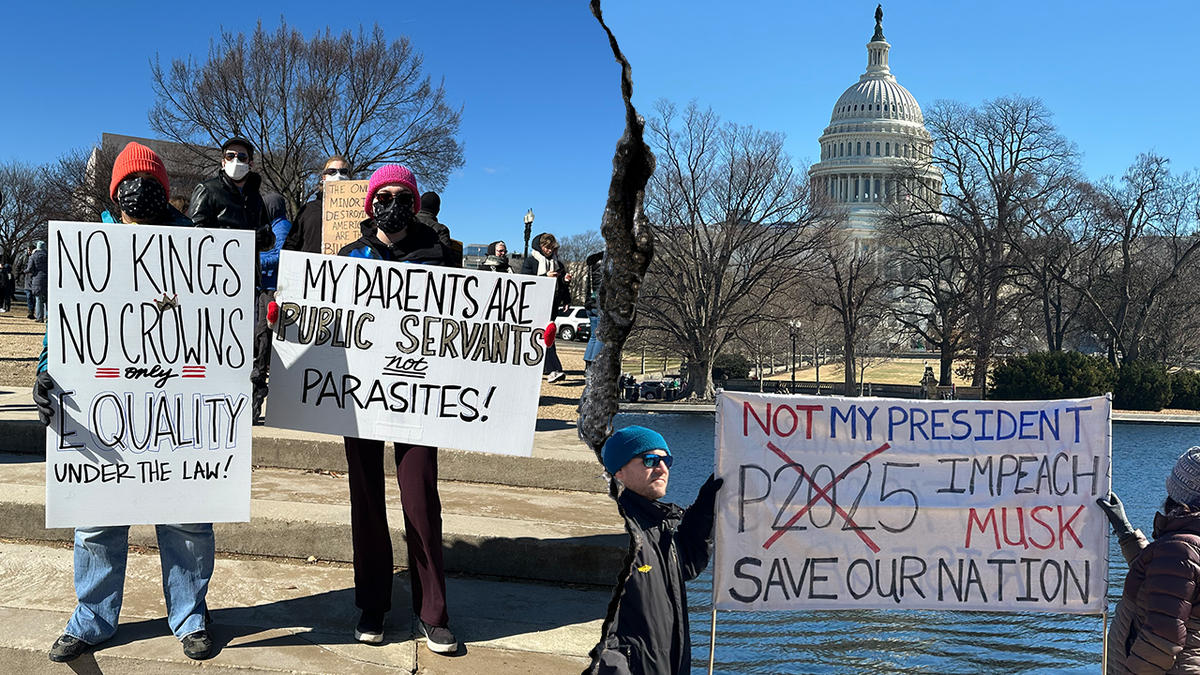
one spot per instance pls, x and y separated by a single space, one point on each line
401 225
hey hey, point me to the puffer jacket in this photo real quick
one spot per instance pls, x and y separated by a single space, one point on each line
1157 624
217 203
37 269
650 635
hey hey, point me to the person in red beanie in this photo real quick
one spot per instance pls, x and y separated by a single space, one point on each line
393 233
140 189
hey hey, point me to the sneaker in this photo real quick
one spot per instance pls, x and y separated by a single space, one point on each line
197 645
439 639
67 648
556 376
370 628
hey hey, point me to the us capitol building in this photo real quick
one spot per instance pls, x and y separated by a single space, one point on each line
876 148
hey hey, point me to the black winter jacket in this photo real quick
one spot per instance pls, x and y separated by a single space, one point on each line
673 546
308 228
218 204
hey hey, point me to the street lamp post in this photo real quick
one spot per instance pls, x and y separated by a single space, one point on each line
794 327
528 228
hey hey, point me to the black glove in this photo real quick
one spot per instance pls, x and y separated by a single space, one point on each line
42 387
1115 511
708 492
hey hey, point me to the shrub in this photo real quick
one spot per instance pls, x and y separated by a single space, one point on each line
1047 375
1185 386
1142 385
731 366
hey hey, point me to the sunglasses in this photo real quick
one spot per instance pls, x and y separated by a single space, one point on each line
386 198
334 172
231 155
651 461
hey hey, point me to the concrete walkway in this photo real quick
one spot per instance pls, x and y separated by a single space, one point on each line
273 616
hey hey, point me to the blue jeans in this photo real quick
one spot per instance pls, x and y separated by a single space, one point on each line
594 345
186 553
39 308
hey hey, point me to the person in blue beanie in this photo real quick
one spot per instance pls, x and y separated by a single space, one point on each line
671 545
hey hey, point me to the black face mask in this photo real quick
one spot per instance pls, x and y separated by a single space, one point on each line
395 215
141 199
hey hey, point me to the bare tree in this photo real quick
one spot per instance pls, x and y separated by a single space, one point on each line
298 100
23 208
733 222
1002 162
929 285
852 285
1149 237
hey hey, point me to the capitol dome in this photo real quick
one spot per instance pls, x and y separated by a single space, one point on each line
876 148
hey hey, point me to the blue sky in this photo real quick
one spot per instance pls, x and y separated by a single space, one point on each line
540 90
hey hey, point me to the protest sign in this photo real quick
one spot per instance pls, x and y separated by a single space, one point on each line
149 334
341 213
870 503
427 355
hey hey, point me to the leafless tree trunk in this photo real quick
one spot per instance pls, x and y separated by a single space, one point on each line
853 286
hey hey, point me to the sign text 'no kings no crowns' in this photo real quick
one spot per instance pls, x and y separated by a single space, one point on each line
871 503
436 356
150 332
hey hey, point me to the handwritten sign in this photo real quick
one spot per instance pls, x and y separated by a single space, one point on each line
413 353
341 214
150 346
870 503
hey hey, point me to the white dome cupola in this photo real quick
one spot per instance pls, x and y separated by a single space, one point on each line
875 130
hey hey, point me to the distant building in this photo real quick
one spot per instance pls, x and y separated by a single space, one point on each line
875 133
474 255
185 166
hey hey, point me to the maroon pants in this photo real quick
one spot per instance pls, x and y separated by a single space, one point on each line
416 469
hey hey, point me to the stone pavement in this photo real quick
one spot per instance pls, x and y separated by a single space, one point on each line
279 616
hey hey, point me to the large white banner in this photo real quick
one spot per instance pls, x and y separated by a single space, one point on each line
419 354
150 334
870 503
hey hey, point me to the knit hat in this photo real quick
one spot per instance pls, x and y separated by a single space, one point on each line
134 158
1183 485
628 443
431 203
391 174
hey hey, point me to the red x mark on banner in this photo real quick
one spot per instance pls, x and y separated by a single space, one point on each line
823 493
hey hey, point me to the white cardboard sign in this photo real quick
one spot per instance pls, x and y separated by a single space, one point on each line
872 503
150 334
419 354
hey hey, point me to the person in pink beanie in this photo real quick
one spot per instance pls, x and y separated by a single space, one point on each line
392 233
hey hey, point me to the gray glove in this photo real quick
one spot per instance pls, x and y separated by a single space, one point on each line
42 387
1115 511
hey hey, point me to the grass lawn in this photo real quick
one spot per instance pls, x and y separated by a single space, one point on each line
891 371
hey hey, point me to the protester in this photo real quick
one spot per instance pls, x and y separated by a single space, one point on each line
8 283
393 233
181 203
140 190
37 267
543 261
671 545
306 234
231 200
431 206
497 258
595 269
27 283
268 262
1156 628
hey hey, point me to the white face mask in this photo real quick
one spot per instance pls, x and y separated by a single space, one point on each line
336 176
236 169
